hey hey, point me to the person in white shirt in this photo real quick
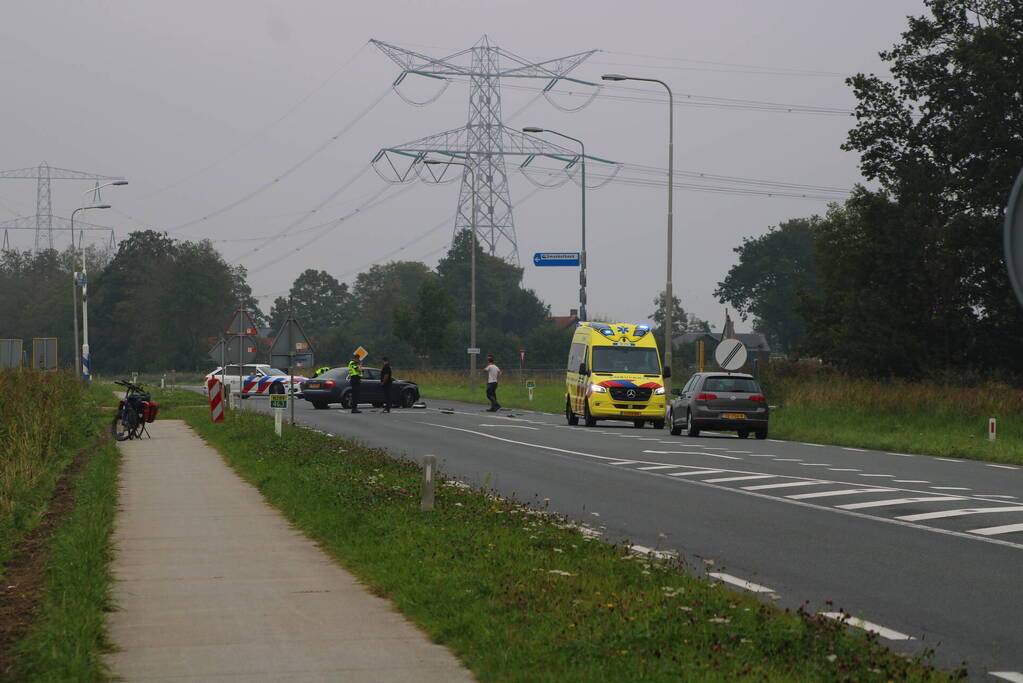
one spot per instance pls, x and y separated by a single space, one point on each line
493 373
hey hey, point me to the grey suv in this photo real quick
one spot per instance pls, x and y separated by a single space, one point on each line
722 401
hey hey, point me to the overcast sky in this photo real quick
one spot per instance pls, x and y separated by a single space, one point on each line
201 104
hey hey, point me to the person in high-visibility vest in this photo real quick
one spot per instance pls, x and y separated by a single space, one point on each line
355 379
320 371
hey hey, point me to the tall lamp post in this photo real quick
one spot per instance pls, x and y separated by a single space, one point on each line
668 299
472 266
582 261
86 367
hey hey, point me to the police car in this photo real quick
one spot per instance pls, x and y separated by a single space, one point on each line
258 380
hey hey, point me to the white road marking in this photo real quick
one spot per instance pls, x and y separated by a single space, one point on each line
886 633
815 464
630 436
877 475
659 467
899 501
742 452
910 481
513 427
760 455
715 448
994 495
1013 676
949 459
904 455
741 583
776 440
844 469
788 460
1004 467
686 474
711 455
647 438
746 477
763 496
996 530
951 488
861 450
761 487
819 445
960 512
842 492
624 462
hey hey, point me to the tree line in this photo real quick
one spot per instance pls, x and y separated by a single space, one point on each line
907 278
157 303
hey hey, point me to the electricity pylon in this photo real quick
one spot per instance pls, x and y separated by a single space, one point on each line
44 218
485 140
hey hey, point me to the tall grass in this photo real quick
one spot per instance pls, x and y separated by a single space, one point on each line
41 425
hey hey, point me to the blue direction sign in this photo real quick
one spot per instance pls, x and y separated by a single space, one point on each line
556 258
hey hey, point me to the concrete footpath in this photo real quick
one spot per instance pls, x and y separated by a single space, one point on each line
211 583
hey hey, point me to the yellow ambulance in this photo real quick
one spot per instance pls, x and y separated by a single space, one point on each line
614 373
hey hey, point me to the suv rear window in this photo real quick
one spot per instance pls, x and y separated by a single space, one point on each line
737 384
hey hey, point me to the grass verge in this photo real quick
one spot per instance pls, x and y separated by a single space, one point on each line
69 630
522 596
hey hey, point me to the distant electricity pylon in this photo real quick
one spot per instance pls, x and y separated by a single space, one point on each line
485 140
44 219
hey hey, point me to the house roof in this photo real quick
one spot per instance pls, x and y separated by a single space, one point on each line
754 341
563 321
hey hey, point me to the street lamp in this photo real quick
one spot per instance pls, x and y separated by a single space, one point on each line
582 261
668 300
75 280
473 349
85 296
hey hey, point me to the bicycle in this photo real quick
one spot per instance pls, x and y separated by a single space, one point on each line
134 411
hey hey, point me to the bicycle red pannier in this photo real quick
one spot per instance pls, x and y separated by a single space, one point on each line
149 410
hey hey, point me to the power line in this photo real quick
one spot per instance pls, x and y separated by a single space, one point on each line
252 137
753 67
309 157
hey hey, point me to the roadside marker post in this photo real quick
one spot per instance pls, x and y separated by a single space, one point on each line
530 387
991 429
215 389
279 403
427 489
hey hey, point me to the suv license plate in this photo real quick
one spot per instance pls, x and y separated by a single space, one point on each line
734 416
313 385
632 413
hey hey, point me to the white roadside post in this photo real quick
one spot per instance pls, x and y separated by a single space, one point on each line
279 402
991 429
429 483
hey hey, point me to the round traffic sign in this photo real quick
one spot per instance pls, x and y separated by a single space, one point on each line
1013 235
730 354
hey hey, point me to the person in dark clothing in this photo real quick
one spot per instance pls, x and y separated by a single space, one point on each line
386 378
355 379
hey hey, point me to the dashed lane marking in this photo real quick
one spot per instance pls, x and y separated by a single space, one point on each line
790 484
877 475
951 488
712 455
658 467
844 469
514 427
647 438
904 455
741 583
943 514
900 501
886 633
687 474
949 459
994 495
910 481
859 450
818 445
842 492
748 477
564 452
1012 676
815 464
1003 467
788 460
996 530
624 462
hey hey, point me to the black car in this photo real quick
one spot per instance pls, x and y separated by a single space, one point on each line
722 401
333 387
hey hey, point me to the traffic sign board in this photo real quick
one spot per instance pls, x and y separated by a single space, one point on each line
279 401
361 353
241 323
240 349
473 351
556 258
730 354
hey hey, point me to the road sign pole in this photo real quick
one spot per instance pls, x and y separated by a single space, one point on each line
291 356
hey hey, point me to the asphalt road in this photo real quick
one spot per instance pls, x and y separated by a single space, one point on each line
926 551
